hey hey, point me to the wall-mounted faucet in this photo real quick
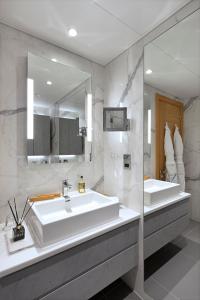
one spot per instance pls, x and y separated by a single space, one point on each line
66 186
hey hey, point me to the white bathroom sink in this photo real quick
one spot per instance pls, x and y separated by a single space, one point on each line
156 191
54 220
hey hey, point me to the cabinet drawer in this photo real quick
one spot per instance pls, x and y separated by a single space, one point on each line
41 278
165 216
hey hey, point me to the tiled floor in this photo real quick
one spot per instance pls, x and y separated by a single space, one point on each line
118 290
179 277
173 273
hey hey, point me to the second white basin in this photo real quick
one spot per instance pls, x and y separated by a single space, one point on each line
157 191
54 220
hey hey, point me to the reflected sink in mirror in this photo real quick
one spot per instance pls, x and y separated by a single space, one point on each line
157 191
54 220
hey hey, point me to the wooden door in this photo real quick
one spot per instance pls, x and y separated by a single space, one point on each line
170 111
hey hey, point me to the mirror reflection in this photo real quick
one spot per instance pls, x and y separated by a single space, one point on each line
171 153
57 97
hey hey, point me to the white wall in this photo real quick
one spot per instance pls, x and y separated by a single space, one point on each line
16 176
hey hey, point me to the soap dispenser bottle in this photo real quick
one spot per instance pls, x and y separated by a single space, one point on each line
81 185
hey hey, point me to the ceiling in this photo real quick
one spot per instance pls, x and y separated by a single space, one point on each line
174 59
105 27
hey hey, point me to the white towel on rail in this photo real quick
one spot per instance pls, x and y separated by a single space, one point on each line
178 148
169 154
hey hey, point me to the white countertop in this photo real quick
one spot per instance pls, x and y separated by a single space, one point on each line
162 204
10 263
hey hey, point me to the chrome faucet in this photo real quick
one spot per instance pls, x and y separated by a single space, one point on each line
66 186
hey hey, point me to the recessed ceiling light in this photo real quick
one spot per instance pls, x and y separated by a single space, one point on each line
49 82
149 71
72 32
54 59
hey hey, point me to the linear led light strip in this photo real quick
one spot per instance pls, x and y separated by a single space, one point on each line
149 126
121 133
30 93
89 117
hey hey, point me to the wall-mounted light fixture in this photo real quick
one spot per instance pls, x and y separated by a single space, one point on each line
89 117
149 126
121 133
30 119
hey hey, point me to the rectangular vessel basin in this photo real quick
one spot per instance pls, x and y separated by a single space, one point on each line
157 191
54 220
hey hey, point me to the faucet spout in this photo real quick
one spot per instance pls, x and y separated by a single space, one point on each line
66 186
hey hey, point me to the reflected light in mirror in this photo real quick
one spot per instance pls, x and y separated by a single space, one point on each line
89 117
72 32
30 93
49 82
149 126
66 158
37 157
149 71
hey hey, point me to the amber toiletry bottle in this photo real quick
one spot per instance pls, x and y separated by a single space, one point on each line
81 185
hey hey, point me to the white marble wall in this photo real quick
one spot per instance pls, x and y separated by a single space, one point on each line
16 176
192 154
124 84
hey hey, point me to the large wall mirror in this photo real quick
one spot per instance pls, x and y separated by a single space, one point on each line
172 160
59 111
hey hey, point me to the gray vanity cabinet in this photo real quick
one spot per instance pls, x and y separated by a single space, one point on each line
77 273
164 225
70 142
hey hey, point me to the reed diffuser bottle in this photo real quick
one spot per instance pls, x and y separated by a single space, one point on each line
81 185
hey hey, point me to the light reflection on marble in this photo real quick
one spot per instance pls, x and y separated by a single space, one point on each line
16 176
192 153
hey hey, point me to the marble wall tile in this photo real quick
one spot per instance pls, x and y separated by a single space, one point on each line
192 154
16 176
124 84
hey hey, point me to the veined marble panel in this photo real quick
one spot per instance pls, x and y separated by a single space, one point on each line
192 154
124 86
17 178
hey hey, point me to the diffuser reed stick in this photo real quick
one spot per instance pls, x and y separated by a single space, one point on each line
16 211
24 210
13 213
27 213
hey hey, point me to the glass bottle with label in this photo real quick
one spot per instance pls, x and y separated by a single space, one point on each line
81 185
